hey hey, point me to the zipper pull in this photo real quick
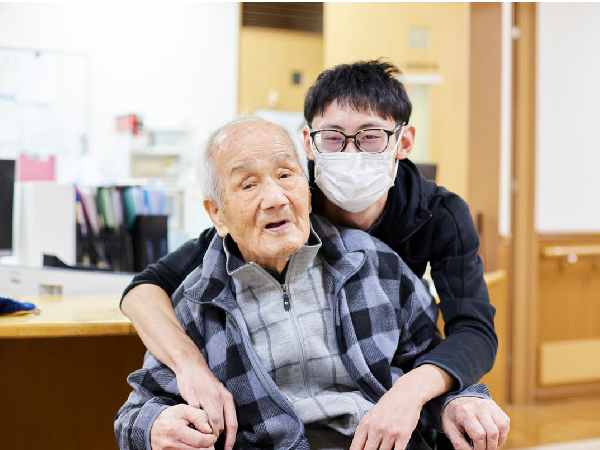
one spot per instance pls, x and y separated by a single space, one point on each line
286 297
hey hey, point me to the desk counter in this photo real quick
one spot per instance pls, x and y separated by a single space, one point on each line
91 315
68 316
71 362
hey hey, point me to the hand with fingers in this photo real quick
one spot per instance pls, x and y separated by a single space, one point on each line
201 389
482 419
389 424
171 429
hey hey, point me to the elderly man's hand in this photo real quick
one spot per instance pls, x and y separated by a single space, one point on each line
482 419
171 430
201 389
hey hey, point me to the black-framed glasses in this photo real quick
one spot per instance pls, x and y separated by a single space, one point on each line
371 140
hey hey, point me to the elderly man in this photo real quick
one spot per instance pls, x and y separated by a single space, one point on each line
310 328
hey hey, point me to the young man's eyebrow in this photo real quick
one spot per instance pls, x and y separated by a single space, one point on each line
363 126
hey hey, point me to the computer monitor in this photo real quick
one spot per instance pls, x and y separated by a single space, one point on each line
427 171
7 194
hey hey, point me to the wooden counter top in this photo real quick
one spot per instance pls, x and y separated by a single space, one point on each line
65 316
88 315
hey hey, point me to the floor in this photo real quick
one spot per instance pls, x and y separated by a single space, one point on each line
569 425
588 444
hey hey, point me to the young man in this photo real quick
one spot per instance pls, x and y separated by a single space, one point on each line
313 329
359 138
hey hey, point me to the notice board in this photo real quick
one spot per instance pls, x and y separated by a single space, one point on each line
44 106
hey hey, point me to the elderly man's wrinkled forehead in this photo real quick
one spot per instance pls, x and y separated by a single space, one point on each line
247 134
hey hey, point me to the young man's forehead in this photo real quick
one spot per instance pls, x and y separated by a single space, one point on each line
358 108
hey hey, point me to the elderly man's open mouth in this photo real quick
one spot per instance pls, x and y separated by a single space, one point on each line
277 226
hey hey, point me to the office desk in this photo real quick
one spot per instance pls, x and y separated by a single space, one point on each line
68 316
63 372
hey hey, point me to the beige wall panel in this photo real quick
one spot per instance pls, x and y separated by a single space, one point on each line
568 331
449 140
355 31
565 362
267 60
569 293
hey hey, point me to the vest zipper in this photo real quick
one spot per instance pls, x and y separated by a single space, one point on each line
298 335
286 297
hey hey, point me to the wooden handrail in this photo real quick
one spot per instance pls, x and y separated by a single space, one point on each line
571 251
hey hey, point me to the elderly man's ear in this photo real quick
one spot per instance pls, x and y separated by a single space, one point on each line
213 210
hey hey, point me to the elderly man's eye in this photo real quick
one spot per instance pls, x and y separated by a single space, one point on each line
247 186
285 175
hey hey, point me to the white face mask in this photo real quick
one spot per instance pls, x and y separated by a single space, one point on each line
354 181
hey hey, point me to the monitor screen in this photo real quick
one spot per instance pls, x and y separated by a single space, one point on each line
7 190
427 171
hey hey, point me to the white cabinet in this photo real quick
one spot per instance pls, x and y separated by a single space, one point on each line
162 154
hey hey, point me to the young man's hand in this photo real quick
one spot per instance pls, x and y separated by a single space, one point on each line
389 424
201 389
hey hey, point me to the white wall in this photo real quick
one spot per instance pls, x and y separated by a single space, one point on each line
174 64
568 118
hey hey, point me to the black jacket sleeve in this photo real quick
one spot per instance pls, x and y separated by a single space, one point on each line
470 347
170 271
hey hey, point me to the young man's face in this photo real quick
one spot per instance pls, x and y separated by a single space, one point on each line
349 121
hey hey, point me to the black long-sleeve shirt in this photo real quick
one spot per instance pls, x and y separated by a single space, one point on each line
422 222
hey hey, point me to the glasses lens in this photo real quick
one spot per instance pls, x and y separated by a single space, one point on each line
372 141
329 141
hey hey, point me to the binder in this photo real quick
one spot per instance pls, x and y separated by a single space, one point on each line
149 240
114 229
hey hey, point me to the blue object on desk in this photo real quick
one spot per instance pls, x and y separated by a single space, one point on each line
10 306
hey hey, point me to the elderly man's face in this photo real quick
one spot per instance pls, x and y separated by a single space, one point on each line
266 199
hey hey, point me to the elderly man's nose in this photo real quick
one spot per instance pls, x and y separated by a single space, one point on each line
274 196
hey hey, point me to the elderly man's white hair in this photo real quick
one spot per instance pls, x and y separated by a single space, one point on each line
206 170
